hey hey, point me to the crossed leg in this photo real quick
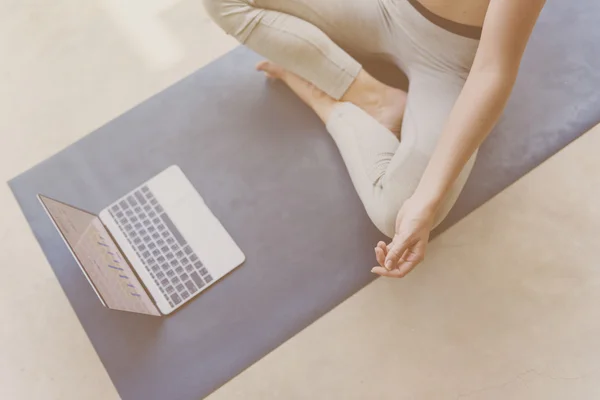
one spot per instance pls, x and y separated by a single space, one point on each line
300 38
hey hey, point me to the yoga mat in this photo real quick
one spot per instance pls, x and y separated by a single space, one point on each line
271 174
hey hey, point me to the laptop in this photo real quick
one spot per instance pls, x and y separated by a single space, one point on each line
151 251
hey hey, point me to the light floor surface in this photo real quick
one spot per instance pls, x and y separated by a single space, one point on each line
505 306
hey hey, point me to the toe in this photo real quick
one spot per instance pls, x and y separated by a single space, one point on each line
270 69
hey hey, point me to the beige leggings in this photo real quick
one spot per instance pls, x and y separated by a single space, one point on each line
308 37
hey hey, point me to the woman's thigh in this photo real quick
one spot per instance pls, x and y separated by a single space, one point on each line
358 26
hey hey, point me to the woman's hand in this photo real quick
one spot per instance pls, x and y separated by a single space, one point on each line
407 249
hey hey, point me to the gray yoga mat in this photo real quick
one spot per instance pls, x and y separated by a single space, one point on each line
271 174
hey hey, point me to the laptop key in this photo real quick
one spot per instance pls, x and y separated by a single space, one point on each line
190 286
188 250
179 270
170 289
208 279
197 280
203 271
171 226
160 275
176 299
185 295
179 287
140 198
123 204
131 201
170 273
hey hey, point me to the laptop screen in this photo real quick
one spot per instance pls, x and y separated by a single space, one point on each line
100 258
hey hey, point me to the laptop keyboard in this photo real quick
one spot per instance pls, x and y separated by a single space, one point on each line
173 265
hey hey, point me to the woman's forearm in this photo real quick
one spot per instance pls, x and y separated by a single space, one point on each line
475 113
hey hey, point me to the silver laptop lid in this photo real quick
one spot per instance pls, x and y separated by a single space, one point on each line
99 257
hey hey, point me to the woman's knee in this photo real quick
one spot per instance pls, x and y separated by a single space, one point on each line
383 216
230 15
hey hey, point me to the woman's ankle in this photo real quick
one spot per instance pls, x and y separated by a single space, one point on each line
383 102
366 92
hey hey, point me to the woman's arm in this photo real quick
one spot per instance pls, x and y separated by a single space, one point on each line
506 30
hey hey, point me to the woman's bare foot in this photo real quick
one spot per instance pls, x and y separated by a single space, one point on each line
319 101
384 103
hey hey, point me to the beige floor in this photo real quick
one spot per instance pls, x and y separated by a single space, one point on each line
506 306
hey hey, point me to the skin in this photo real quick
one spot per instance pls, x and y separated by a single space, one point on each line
507 25
506 30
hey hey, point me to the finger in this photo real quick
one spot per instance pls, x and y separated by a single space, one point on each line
384 272
380 256
395 251
406 267
412 257
384 249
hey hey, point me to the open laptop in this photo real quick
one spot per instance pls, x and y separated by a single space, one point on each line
151 251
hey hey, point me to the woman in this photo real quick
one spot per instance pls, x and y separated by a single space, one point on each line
408 154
